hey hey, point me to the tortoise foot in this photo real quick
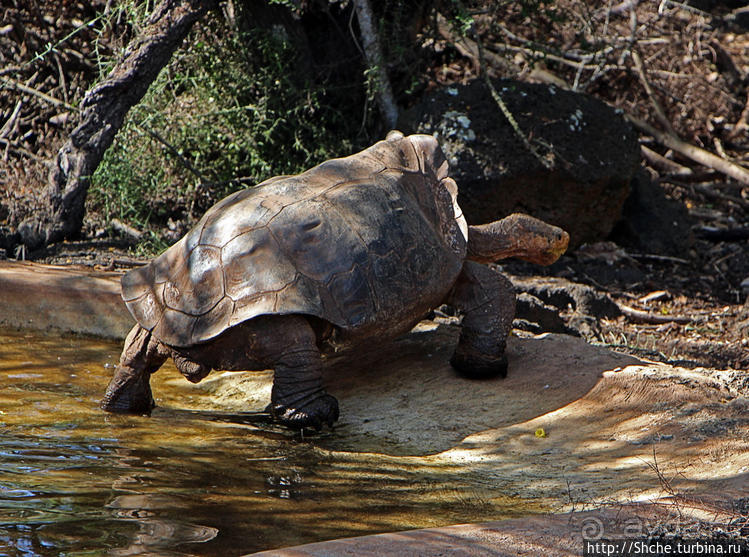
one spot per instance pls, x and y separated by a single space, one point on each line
479 366
316 413
128 395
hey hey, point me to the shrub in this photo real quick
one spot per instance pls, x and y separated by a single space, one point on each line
229 111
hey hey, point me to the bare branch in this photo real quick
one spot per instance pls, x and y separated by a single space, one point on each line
659 113
659 161
647 317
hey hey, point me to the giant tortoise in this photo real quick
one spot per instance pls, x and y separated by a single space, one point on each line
357 248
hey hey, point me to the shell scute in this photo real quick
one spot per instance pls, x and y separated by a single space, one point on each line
215 322
300 294
175 326
352 290
196 283
236 218
138 283
146 308
174 258
252 265
373 212
320 251
259 304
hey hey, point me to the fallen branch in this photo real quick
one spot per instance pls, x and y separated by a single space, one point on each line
126 229
742 124
659 161
659 112
647 317
12 147
697 177
705 158
715 234
468 48
127 262
11 122
657 257
708 191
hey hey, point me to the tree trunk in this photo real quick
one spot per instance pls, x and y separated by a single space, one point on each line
376 62
103 111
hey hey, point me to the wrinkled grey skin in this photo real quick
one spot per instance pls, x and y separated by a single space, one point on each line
356 248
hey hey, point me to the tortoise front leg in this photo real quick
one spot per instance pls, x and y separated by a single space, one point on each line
487 301
298 399
130 389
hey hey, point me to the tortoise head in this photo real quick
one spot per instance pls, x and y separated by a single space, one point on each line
517 235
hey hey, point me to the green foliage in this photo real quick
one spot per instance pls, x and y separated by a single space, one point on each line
230 106
290 4
461 20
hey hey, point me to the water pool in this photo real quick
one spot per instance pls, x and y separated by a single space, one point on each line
77 481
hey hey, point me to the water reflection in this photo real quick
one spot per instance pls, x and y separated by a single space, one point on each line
186 482
155 533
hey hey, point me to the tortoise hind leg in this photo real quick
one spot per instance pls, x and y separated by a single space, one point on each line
487 300
129 390
289 345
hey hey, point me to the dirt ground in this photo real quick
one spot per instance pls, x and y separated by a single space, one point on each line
573 427
689 311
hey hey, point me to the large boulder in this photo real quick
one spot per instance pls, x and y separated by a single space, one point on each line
593 153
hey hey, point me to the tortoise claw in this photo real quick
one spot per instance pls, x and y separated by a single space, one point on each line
323 410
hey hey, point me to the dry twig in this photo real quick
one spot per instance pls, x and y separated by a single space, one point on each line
659 161
647 317
31 91
659 113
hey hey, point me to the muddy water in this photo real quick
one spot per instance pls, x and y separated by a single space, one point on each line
77 481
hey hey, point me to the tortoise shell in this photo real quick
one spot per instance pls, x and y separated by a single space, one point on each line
367 242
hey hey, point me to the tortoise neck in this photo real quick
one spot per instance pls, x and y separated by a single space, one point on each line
490 242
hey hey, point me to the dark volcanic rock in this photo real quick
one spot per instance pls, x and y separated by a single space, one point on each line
540 296
653 223
593 151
